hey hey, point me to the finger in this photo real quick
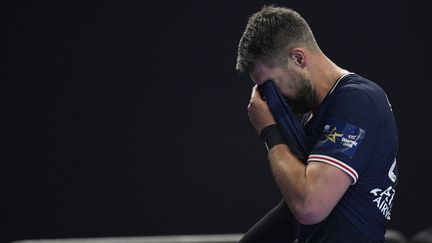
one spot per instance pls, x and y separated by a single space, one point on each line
256 94
254 89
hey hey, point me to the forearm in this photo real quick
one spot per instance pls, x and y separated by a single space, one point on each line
297 188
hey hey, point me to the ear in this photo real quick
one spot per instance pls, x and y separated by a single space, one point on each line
298 56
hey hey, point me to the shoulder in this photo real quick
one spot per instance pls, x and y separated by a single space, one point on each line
358 94
358 87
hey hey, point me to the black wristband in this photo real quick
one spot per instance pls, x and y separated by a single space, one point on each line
272 136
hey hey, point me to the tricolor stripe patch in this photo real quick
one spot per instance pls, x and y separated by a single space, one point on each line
337 163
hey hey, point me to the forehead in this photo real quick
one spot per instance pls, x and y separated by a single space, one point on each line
261 73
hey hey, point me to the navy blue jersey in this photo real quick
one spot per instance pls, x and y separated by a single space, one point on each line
354 130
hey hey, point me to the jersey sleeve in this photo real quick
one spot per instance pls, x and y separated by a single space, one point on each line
348 133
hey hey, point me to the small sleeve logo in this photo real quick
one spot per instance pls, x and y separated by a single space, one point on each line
341 137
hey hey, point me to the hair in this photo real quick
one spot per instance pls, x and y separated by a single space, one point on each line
269 37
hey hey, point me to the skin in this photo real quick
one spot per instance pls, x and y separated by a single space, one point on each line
311 191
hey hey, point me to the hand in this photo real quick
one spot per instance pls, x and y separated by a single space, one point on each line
259 113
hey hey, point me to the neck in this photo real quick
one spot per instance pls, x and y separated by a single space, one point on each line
324 77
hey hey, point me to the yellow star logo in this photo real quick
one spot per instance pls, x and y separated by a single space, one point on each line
333 135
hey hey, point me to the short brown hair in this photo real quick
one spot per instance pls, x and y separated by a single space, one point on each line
270 35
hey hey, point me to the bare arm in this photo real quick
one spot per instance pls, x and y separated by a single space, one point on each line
311 191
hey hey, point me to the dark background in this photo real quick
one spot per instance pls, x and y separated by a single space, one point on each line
128 118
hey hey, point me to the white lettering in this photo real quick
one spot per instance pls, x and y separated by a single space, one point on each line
377 200
384 200
386 192
384 207
349 143
375 191
391 199
391 173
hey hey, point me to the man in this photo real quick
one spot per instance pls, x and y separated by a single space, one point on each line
344 191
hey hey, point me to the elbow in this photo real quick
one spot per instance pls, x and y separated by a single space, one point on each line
308 214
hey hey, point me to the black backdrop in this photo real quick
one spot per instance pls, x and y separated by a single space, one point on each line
127 118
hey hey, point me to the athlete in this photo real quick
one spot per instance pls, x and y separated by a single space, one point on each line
344 190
